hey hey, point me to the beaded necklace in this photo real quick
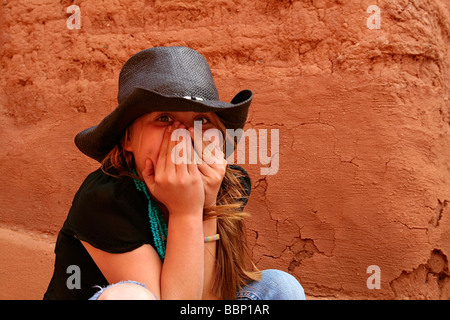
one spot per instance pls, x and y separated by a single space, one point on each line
157 223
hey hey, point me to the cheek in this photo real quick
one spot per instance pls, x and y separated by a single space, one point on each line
156 144
149 146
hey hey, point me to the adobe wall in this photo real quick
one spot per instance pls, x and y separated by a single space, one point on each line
362 114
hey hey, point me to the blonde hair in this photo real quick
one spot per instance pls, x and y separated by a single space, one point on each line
233 268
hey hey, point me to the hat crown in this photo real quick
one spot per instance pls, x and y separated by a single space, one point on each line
169 71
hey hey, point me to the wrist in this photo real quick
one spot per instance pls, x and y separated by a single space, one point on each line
210 204
187 212
186 227
209 226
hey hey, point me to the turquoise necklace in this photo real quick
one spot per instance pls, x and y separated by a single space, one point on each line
157 223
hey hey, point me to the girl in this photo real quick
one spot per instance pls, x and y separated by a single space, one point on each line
147 225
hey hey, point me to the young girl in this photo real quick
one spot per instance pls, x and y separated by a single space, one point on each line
146 225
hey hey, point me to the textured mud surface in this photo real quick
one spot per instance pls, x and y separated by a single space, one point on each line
362 113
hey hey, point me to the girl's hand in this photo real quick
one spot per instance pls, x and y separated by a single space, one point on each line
212 166
178 186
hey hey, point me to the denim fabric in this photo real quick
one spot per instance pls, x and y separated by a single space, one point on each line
100 291
274 285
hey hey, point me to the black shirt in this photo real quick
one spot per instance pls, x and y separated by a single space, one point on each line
110 214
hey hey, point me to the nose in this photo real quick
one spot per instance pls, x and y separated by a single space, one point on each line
185 119
184 124
180 125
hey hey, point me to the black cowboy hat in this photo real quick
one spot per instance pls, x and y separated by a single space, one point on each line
162 79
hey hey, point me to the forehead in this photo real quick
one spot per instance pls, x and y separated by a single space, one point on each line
179 115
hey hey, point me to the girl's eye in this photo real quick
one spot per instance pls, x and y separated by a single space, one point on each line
204 120
165 118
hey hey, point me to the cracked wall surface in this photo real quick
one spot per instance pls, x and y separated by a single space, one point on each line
428 281
363 118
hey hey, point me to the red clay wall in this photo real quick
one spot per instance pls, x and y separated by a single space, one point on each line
362 113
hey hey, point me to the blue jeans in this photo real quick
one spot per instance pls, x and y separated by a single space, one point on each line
274 285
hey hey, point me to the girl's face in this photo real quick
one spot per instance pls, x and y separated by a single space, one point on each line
146 133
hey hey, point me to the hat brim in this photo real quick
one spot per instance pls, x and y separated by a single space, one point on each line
97 141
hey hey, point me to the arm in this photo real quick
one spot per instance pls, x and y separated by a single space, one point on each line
179 187
183 270
209 228
142 265
212 168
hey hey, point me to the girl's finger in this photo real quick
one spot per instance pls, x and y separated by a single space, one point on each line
212 154
198 145
219 155
181 151
148 174
163 149
171 152
205 169
148 169
193 157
